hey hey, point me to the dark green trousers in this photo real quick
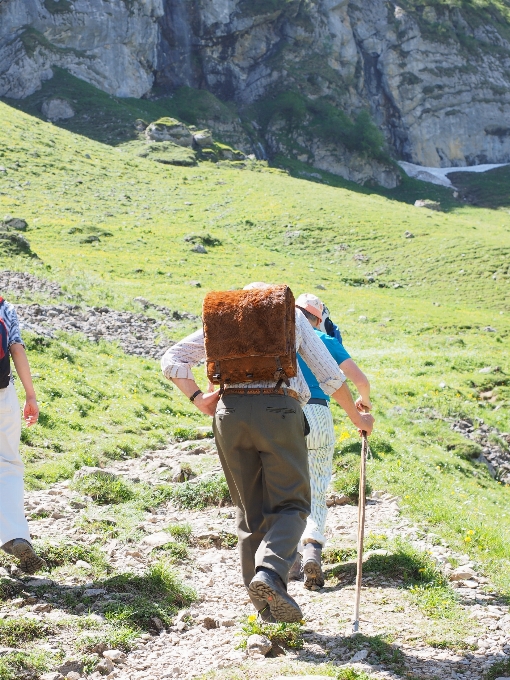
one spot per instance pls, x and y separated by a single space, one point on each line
262 448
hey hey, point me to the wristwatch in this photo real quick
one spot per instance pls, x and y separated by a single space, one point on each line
195 395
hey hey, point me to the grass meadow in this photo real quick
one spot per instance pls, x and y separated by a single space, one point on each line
413 311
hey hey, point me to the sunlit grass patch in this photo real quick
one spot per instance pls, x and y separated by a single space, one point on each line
283 634
181 532
199 495
59 554
500 669
17 631
347 476
158 593
15 665
381 649
104 488
114 634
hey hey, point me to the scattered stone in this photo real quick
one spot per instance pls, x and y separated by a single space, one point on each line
203 138
92 592
360 656
72 666
169 130
73 675
199 248
408 234
42 608
57 109
469 583
52 676
258 645
426 203
137 334
15 223
196 284
39 582
87 471
158 539
80 608
81 564
114 655
158 623
209 623
105 666
490 329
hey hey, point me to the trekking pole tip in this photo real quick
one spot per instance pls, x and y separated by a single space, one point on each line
355 626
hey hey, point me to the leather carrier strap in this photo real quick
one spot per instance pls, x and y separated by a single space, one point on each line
262 390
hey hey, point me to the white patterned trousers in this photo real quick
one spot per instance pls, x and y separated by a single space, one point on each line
321 446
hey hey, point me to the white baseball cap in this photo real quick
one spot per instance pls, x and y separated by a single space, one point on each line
311 303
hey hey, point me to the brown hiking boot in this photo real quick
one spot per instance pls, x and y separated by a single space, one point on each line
314 577
29 562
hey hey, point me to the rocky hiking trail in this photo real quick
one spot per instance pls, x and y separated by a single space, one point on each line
396 639
109 540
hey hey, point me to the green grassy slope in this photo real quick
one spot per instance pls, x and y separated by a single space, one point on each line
422 343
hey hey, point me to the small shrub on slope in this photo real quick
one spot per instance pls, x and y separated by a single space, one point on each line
284 634
104 489
202 494
59 554
16 631
158 593
347 477
17 665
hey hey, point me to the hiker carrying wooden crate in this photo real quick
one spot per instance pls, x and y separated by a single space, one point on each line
14 533
249 340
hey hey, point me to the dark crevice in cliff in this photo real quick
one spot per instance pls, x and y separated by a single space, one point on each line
382 107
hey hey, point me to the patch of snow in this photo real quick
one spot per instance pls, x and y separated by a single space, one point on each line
440 175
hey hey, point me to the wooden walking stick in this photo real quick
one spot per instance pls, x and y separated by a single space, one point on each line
361 528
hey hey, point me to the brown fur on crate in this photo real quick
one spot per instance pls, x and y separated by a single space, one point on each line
249 334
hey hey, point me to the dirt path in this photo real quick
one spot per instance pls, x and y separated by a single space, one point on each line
396 637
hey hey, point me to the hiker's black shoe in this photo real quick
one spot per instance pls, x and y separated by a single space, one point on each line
29 562
314 577
296 571
268 586
265 615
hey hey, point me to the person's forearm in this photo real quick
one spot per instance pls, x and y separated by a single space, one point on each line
356 376
187 386
22 366
343 398
204 402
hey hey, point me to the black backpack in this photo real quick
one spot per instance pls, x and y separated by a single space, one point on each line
5 362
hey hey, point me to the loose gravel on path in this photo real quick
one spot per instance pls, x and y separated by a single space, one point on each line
206 636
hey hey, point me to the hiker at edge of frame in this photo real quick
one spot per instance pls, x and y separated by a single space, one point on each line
321 441
14 532
259 425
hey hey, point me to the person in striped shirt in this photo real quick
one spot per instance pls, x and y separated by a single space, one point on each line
321 440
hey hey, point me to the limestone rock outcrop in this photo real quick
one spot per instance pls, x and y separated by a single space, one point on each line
433 77
169 130
57 109
109 43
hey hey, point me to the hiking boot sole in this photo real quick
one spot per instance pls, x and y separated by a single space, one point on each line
29 562
314 577
283 608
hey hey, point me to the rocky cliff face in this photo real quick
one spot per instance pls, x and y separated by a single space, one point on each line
109 43
435 79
